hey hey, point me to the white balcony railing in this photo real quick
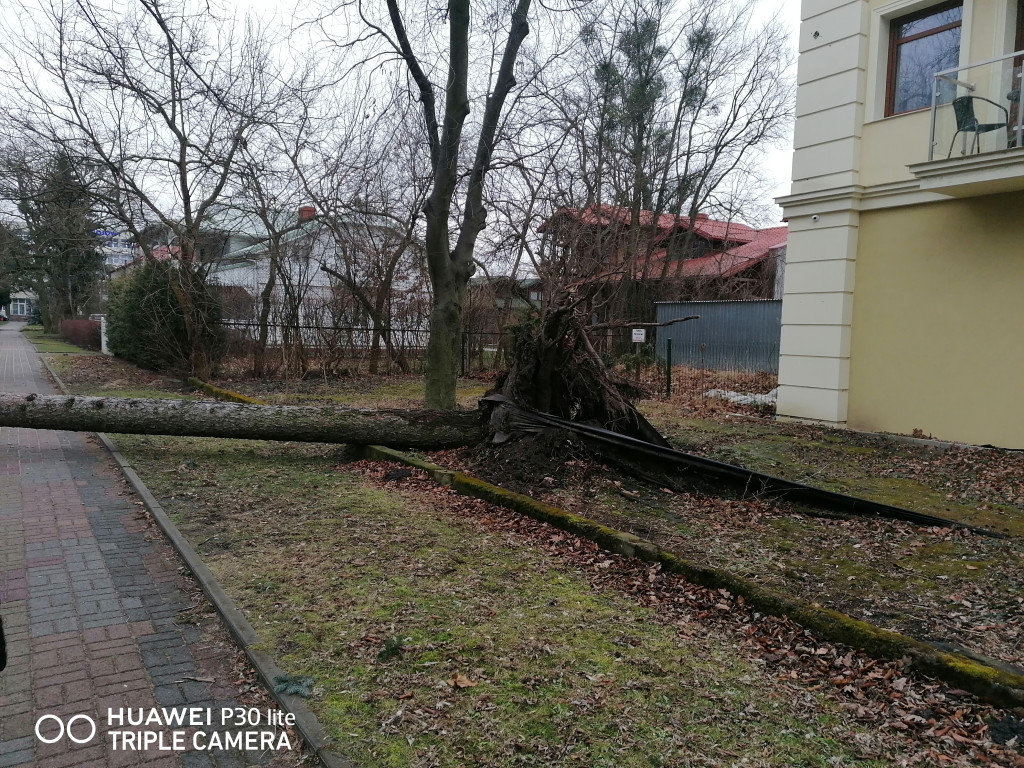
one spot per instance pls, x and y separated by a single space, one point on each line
977 108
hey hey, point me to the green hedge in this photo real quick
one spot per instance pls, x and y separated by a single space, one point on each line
146 324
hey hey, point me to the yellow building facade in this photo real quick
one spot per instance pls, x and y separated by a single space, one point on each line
904 302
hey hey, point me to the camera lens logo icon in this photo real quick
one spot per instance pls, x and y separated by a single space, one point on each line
65 728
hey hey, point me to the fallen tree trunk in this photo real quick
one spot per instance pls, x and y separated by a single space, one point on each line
307 424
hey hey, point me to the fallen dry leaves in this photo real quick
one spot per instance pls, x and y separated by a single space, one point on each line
459 680
917 721
949 586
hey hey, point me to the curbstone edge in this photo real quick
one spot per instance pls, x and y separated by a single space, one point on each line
245 635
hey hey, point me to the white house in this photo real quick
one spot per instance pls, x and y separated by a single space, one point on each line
326 280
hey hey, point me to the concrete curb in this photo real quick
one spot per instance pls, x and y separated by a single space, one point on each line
997 686
306 723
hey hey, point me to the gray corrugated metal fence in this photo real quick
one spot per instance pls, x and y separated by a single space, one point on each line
729 336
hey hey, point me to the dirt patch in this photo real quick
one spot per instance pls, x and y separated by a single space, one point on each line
105 376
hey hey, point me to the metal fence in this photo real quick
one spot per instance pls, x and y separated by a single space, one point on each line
740 336
352 349
734 346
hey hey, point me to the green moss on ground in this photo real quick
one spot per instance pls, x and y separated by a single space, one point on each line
222 394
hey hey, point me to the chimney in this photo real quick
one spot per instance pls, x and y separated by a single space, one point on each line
702 217
306 213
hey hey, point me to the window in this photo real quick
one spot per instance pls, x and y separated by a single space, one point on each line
920 45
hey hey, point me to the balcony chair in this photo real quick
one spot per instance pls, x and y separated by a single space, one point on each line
1014 122
966 122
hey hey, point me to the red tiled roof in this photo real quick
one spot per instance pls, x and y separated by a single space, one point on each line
665 223
765 242
736 259
724 231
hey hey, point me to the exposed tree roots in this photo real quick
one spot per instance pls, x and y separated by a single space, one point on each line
556 369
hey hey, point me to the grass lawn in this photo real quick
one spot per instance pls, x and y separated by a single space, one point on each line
362 392
436 639
51 342
933 584
960 590
980 487
439 634
948 587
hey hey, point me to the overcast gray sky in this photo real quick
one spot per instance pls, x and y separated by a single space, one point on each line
777 162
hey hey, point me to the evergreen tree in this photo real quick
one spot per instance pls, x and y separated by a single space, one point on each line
58 256
12 250
633 86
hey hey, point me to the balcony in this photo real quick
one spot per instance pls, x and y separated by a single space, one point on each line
976 130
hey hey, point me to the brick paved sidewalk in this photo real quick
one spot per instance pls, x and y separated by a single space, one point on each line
89 593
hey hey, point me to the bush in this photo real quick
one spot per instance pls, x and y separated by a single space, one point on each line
643 359
81 332
146 324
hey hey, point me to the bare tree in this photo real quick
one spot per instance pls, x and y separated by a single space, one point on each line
442 80
369 187
266 192
158 102
664 113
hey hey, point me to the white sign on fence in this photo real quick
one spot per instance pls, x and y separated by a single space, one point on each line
639 335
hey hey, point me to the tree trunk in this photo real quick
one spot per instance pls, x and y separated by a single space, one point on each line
184 290
443 345
375 351
259 360
45 314
414 429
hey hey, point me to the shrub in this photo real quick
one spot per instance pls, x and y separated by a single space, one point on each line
81 332
644 358
146 325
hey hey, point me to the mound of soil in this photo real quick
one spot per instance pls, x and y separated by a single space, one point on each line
528 462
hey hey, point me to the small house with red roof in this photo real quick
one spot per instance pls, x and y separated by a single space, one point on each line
675 258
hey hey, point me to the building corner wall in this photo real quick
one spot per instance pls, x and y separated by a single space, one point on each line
817 314
823 212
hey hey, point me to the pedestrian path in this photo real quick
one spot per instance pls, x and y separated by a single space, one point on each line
89 593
